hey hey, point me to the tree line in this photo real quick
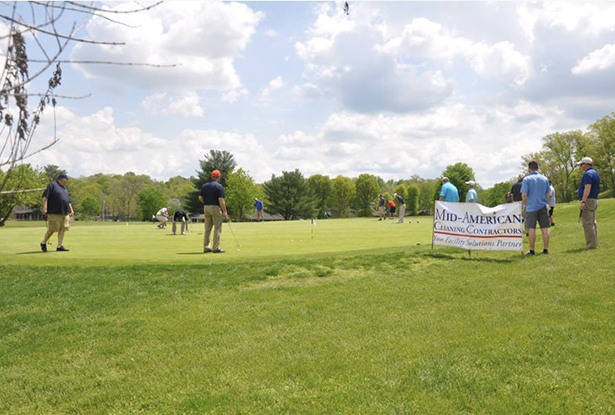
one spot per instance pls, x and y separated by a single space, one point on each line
292 195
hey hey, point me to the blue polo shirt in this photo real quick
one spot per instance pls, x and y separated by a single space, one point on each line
258 205
472 195
535 186
211 192
592 177
400 200
450 192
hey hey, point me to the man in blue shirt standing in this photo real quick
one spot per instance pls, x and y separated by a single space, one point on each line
471 196
58 208
449 192
535 191
258 205
212 195
588 194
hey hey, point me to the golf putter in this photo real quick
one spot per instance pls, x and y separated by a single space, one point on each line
237 245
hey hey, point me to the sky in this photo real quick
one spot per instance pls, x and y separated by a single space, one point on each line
393 89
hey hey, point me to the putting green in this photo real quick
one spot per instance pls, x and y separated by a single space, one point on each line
94 243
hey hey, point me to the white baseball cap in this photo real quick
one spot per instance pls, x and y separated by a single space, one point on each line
585 160
470 182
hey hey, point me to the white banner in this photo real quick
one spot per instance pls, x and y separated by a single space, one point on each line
473 226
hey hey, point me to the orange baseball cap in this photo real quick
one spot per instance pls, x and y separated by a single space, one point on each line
215 174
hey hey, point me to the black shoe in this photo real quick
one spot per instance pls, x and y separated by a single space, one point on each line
61 248
545 252
206 250
530 253
218 251
43 247
553 224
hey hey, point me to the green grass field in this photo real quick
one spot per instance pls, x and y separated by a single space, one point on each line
363 318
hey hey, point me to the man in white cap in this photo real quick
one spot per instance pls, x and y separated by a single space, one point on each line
402 207
588 194
472 196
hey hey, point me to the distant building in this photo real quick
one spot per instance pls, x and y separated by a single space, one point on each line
26 213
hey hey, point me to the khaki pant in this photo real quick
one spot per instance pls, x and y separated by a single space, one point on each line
213 219
402 211
588 217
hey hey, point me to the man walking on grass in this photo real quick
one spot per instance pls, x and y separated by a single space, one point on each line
57 207
212 197
588 194
535 191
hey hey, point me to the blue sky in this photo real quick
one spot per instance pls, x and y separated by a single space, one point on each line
394 89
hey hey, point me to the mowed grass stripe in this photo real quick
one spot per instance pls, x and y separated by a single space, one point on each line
399 330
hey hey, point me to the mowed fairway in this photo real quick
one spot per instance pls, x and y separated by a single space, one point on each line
138 243
361 320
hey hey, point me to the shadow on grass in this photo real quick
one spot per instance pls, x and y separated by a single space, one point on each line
474 258
576 250
34 252
190 253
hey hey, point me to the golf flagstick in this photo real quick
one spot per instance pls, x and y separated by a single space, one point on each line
312 235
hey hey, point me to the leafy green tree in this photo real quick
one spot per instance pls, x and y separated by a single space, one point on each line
458 174
426 195
216 159
151 200
15 181
412 201
90 206
366 193
51 171
123 193
289 195
240 194
495 195
320 186
343 193
178 188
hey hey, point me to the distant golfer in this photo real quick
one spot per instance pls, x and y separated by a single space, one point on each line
552 201
471 196
212 196
535 191
449 192
515 190
162 216
181 217
382 210
391 208
402 207
588 194
57 207
258 206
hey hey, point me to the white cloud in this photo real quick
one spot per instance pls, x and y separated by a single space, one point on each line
500 61
234 95
273 85
598 60
202 38
185 106
270 33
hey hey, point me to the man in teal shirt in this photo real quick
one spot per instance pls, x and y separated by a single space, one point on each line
449 192
535 191
472 196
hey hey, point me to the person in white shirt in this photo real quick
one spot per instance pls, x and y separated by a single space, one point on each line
163 217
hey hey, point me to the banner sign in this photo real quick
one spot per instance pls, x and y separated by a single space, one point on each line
473 226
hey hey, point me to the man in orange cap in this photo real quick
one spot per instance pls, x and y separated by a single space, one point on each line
212 196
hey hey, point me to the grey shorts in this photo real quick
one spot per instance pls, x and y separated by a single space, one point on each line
541 216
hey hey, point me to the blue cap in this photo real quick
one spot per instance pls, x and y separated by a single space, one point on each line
62 176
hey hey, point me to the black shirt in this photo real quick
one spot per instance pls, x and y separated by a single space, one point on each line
57 199
516 191
178 215
211 191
